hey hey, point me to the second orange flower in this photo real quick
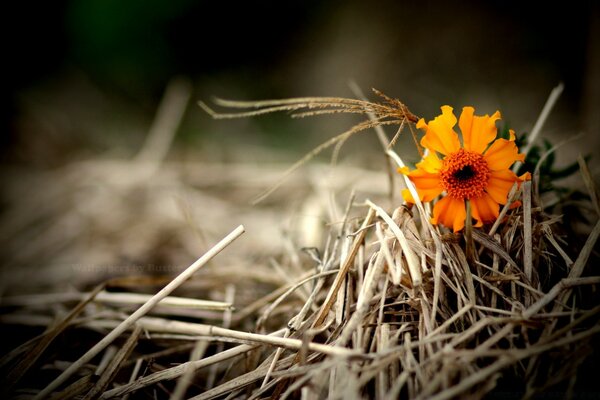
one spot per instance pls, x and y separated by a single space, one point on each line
476 170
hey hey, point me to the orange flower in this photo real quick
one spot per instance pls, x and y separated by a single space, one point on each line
478 170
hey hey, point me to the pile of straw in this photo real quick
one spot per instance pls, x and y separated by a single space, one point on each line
388 306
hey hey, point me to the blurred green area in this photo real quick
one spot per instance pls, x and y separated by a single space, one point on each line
124 42
138 45
88 75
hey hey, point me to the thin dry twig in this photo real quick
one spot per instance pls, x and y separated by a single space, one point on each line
388 112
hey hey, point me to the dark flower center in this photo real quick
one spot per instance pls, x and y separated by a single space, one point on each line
464 173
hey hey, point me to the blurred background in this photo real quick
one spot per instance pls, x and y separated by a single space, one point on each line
88 75
84 80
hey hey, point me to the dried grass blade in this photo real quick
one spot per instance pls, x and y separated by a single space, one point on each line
589 183
527 236
167 120
580 263
564 285
241 381
311 154
339 279
16 373
180 279
411 259
177 371
77 388
539 124
186 379
492 245
113 367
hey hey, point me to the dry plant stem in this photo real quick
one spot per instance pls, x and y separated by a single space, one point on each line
339 279
265 300
217 333
507 360
323 104
241 381
469 251
413 264
276 357
7 358
162 353
449 321
144 309
548 234
527 234
535 178
512 195
114 365
134 374
115 298
390 112
580 262
221 334
364 298
289 279
589 183
179 370
564 285
166 122
494 246
184 380
336 141
108 355
539 124
383 139
169 301
437 271
16 373
230 298
567 328
291 290
76 389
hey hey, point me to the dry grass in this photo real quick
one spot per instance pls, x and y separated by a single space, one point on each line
388 306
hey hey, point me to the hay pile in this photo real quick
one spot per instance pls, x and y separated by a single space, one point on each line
387 306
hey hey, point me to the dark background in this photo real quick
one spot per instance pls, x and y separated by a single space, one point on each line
85 77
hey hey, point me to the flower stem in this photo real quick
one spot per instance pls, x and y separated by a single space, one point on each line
469 234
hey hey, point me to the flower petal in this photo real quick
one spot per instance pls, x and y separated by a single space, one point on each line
428 185
514 204
439 135
477 131
430 163
451 212
502 154
525 177
484 209
500 184
407 196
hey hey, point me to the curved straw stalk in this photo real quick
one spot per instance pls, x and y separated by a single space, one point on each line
389 112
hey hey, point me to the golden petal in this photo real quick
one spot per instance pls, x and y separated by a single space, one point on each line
477 131
502 154
440 135
450 212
